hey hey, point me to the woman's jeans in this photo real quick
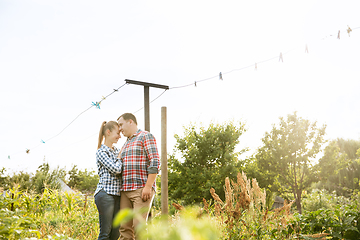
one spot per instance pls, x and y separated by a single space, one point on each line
108 206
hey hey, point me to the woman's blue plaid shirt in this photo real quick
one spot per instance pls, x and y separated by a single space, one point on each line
109 170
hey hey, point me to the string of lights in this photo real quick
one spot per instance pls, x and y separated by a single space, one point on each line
97 104
98 133
218 76
280 57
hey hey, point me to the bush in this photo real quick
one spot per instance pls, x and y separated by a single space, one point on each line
340 221
50 215
318 199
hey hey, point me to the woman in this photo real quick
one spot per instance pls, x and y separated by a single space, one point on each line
107 194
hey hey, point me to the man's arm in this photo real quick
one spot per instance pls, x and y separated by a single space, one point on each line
146 193
150 147
154 165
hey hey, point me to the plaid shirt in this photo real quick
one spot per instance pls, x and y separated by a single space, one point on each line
140 157
109 169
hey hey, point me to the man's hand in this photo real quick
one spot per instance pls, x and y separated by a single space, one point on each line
146 193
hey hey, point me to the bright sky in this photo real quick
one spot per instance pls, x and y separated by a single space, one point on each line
57 57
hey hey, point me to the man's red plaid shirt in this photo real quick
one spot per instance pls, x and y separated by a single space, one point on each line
140 157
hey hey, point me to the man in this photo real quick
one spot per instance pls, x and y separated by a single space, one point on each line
141 165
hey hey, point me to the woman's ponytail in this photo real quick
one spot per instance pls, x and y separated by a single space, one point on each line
101 134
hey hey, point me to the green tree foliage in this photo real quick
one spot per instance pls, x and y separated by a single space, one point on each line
207 157
286 154
84 181
21 179
350 147
339 168
46 178
3 177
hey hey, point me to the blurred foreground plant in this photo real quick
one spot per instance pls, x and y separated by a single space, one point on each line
188 224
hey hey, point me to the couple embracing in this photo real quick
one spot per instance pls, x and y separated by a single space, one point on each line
126 177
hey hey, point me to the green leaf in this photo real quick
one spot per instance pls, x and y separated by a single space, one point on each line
123 216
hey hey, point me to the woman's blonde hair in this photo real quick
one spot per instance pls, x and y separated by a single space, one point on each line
105 126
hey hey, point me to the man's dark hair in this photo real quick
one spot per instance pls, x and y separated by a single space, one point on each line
128 116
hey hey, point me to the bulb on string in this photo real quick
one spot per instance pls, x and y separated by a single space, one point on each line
255 66
27 151
338 35
281 58
9 157
195 83
42 141
220 76
102 99
306 49
97 104
349 30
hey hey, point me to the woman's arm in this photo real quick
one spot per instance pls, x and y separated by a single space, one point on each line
112 164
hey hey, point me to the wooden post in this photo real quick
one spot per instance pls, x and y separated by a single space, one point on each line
164 170
147 108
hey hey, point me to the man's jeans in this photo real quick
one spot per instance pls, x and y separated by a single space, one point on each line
108 206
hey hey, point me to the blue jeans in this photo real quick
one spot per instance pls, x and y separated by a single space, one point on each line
108 206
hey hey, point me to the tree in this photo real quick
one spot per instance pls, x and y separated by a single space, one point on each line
339 168
74 178
46 178
3 178
349 147
286 154
20 179
207 157
84 181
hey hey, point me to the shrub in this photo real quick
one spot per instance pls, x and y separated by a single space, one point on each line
50 215
339 222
